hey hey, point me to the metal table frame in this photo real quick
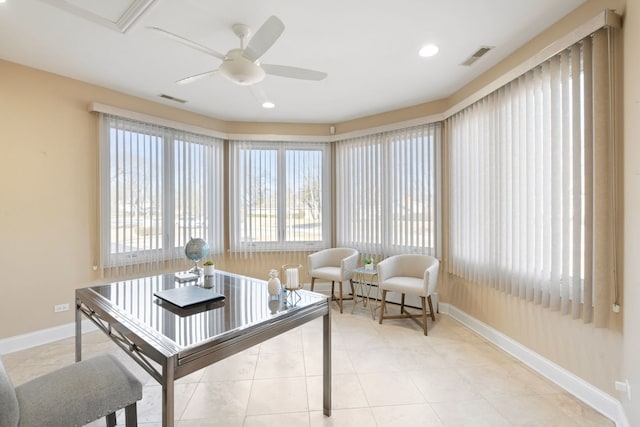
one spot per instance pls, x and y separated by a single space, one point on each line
166 362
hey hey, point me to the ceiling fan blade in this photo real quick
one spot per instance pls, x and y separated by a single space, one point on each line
192 79
187 42
293 72
264 38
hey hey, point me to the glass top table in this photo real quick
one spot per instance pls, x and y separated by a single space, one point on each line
170 342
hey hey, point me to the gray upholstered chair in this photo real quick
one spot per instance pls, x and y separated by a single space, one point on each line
334 265
409 274
71 396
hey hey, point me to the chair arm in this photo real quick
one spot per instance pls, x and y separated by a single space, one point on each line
317 259
431 277
348 264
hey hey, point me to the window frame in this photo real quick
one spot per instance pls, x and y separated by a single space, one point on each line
169 139
235 242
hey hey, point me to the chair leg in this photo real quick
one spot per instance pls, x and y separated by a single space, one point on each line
340 297
111 419
402 304
433 316
353 291
424 315
131 415
384 298
313 282
333 295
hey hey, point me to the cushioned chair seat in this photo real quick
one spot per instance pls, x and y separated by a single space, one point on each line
327 273
404 285
78 394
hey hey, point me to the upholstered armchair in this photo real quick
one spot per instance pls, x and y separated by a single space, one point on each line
334 265
409 274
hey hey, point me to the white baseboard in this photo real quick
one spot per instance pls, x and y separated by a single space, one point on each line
44 336
602 402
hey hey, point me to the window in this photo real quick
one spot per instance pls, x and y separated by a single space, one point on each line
388 191
159 187
531 182
279 196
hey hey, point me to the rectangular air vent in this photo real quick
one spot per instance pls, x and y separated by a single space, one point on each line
477 55
172 98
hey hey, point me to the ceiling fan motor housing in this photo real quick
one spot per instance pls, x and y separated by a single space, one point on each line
240 70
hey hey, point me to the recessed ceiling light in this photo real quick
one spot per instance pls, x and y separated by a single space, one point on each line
428 50
268 104
3 1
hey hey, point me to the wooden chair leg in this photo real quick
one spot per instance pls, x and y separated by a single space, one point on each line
313 282
111 419
424 315
333 294
131 415
433 315
384 297
340 297
402 304
353 291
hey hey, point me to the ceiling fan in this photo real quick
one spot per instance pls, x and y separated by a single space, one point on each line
242 66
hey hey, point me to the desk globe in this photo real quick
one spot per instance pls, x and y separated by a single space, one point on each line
196 249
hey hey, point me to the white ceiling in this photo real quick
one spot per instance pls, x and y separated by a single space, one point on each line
368 48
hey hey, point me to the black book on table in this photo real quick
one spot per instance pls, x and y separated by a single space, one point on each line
186 296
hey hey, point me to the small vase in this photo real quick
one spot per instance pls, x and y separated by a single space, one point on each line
368 267
274 286
209 270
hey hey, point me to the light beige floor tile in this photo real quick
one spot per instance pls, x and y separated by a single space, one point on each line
578 411
362 417
531 410
218 400
346 392
298 419
444 385
210 422
280 365
469 413
278 395
340 363
241 366
406 416
150 407
392 388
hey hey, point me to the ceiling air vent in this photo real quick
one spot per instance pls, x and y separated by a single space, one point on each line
172 98
477 55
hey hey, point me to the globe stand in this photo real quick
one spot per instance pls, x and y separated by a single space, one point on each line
196 270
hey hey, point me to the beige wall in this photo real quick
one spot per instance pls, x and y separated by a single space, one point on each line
631 272
48 226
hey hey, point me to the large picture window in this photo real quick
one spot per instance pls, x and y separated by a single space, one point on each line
279 196
387 191
159 187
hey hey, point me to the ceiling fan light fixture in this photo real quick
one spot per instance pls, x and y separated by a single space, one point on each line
240 70
428 50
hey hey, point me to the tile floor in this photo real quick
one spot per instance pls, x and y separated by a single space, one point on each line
383 375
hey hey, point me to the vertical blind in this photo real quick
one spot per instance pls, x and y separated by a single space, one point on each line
279 196
387 191
159 187
527 190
